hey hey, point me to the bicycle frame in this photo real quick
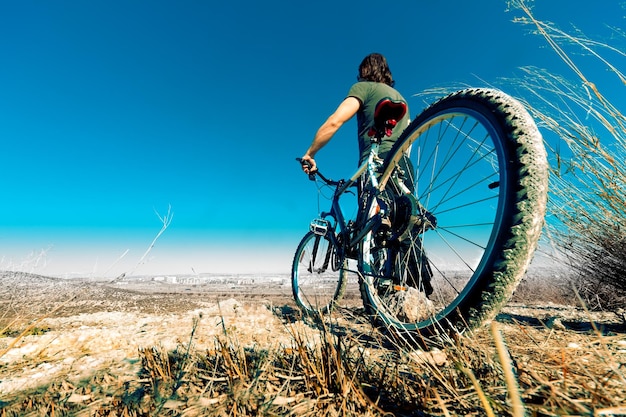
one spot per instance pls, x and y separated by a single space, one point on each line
348 234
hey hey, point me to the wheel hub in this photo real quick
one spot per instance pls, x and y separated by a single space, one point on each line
408 215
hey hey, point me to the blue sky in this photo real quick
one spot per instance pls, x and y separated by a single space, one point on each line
113 111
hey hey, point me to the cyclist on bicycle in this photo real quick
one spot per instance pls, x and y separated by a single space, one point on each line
374 83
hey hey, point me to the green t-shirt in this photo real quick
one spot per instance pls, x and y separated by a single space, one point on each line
369 94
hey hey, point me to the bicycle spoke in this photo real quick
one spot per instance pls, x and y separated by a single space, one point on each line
463 238
455 178
468 204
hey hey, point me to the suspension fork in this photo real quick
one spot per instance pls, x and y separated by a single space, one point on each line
327 255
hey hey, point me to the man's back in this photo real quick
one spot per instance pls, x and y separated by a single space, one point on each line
369 94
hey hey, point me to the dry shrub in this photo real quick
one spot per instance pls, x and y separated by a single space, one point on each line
546 286
587 208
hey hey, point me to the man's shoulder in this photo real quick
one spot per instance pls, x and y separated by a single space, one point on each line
361 87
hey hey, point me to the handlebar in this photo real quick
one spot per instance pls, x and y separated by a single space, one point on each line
315 173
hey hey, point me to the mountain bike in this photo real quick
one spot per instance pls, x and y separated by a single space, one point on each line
447 222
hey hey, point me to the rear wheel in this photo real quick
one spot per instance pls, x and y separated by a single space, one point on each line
466 188
318 274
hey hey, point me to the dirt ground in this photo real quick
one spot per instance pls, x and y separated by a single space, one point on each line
51 328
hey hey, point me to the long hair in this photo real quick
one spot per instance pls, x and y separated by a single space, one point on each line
374 67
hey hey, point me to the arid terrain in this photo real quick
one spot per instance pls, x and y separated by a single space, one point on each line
68 330
81 325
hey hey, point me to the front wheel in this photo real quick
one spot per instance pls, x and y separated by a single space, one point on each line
466 184
318 274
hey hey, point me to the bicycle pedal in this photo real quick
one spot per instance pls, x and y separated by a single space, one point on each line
400 288
319 227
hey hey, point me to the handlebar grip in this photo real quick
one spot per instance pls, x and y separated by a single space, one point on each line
308 165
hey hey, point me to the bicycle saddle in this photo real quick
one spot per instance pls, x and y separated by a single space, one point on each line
386 116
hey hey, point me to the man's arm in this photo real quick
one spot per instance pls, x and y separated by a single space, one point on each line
346 110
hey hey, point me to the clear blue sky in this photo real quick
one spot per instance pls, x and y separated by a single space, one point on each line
113 110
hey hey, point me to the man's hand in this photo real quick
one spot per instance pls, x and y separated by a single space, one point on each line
308 164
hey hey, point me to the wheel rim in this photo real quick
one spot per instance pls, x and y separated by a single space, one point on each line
460 179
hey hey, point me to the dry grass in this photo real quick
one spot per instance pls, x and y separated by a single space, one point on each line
587 209
530 362
511 369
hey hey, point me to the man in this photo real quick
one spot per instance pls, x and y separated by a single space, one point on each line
374 83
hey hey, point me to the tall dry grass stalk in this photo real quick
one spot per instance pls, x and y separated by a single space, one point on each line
587 144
